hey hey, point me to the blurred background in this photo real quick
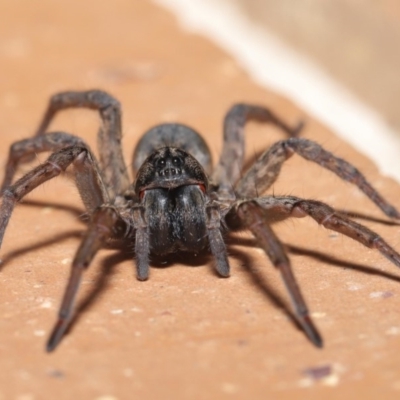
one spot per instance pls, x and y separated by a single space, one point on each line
356 41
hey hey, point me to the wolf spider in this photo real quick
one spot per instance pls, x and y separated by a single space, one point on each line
177 203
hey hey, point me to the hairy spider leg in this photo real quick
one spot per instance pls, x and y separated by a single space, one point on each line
257 214
217 244
85 171
230 164
23 149
266 169
111 161
103 226
283 207
254 219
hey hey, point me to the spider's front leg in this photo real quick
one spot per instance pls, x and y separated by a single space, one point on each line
266 169
27 148
254 219
87 177
229 167
280 208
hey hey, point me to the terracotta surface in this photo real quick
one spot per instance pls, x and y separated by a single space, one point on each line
185 333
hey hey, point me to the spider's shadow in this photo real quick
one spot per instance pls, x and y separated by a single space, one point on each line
320 256
125 254
77 212
245 259
269 291
38 245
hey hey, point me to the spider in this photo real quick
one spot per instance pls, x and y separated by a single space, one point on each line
177 203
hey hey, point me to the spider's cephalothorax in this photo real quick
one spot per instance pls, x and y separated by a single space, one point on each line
169 168
177 201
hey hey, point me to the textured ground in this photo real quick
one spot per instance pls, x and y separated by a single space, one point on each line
184 333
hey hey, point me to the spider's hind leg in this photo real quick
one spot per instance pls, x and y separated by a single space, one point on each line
230 164
257 215
256 220
109 137
105 224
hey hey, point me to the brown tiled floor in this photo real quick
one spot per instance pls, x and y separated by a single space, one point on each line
184 333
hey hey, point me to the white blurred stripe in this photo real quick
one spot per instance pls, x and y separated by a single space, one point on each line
273 64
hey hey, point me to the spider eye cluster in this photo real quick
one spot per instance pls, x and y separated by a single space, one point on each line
169 166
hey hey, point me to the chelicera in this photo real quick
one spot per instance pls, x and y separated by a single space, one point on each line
178 202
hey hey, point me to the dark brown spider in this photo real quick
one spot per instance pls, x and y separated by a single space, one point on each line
173 205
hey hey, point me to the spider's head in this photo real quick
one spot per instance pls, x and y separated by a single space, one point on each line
169 168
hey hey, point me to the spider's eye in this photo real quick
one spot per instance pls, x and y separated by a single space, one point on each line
176 161
161 163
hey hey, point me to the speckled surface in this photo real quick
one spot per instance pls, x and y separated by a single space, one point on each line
185 333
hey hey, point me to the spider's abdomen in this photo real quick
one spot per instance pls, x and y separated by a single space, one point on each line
176 219
172 135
